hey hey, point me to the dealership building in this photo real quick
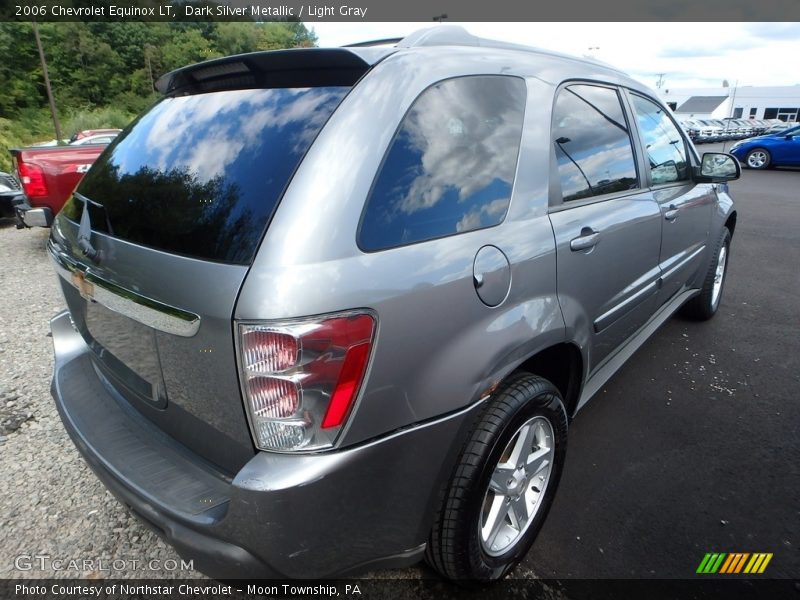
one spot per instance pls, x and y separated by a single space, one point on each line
738 102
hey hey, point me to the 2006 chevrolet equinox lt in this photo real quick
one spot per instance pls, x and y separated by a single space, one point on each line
332 309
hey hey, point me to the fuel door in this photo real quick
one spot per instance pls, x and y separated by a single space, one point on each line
491 275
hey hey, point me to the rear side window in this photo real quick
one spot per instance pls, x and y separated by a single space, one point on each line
592 143
663 143
200 175
450 168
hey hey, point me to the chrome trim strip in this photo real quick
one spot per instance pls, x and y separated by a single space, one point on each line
146 311
620 309
612 363
667 274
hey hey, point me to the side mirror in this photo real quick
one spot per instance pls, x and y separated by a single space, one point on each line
789 136
665 173
717 167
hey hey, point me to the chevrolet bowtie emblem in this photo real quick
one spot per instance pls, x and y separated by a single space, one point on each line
86 288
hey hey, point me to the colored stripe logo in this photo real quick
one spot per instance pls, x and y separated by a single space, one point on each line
734 563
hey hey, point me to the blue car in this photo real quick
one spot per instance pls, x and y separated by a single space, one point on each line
774 150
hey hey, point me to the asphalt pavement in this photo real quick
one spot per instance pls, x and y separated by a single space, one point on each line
693 446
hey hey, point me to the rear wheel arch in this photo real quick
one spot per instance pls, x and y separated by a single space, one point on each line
562 365
456 547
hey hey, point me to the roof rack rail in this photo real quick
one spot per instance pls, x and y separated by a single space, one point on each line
446 35
455 35
367 44
440 35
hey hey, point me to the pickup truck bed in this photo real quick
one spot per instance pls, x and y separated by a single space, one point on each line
48 176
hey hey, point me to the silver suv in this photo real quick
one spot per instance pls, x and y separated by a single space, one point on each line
332 309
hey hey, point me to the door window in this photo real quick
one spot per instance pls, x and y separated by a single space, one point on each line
663 143
592 143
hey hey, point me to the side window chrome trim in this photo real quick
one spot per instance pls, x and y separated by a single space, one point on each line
595 200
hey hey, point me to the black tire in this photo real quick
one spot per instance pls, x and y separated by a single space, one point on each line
703 306
757 164
455 549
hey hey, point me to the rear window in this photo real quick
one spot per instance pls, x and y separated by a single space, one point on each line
200 175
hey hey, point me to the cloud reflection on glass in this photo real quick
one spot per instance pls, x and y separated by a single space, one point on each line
450 169
200 175
663 142
592 143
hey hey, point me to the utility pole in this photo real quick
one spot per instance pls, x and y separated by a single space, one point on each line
149 66
50 98
660 81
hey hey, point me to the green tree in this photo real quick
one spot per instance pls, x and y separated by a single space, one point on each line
19 70
188 47
97 65
237 38
286 34
84 69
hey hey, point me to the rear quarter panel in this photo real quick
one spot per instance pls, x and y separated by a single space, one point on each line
438 347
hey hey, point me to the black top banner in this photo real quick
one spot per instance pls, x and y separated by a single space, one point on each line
407 10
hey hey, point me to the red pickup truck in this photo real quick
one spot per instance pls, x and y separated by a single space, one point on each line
48 176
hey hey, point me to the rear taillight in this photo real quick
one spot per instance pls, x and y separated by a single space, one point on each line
32 179
301 378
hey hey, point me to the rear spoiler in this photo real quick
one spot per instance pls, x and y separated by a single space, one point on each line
300 67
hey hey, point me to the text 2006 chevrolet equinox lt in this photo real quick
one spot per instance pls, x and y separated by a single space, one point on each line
332 309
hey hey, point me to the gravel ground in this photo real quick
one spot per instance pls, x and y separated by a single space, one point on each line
38 462
51 504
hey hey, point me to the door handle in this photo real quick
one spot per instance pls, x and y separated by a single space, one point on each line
672 213
586 240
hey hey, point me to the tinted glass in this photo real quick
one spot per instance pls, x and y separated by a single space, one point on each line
592 143
450 168
663 143
200 175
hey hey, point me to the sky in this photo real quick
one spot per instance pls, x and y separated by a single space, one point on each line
688 54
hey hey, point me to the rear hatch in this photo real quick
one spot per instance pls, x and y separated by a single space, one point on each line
176 211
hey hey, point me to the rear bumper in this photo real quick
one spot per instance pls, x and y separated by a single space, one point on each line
296 516
32 216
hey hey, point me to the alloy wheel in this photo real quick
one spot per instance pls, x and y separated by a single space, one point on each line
757 159
719 275
517 486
